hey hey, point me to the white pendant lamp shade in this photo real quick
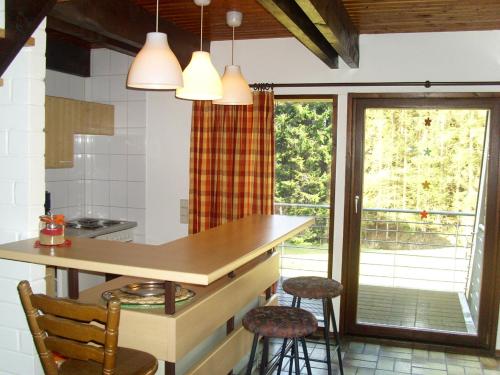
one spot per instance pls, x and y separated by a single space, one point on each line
201 79
235 88
155 67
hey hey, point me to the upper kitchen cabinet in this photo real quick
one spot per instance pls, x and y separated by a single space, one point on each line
96 119
66 117
59 114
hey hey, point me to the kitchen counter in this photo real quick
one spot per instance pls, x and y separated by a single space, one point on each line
197 259
229 267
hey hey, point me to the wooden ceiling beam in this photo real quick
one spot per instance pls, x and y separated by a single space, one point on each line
122 21
334 23
290 15
91 37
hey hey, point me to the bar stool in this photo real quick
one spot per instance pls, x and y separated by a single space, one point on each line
282 322
314 287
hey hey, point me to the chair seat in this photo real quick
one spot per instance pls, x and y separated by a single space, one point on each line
128 362
280 321
312 287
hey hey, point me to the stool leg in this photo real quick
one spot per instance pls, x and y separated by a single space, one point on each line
326 317
337 338
265 356
282 356
292 352
306 355
297 354
292 356
252 354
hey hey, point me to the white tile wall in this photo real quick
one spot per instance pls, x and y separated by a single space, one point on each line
108 177
21 188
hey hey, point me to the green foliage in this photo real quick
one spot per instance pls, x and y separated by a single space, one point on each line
396 163
401 154
303 159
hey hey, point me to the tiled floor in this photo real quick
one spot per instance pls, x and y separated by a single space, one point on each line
369 359
412 308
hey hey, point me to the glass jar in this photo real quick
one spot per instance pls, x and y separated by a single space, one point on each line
51 230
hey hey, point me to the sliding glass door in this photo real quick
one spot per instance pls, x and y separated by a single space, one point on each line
422 190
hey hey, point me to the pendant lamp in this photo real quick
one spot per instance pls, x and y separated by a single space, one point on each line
201 79
155 67
234 86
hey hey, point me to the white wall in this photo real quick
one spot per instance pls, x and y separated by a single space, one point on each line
21 195
459 56
168 132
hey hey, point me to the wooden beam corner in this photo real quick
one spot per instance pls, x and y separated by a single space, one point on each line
333 21
290 15
29 43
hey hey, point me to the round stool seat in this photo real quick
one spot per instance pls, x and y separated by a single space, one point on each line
280 321
312 287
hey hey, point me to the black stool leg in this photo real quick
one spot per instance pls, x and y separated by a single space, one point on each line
292 352
326 317
306 355
252 354
297 354
292 356
337 338
265 356
282 356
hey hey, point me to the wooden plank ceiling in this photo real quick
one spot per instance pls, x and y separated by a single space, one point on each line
257 22
368 16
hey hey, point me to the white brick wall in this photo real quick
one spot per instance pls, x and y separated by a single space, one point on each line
21 195
108 179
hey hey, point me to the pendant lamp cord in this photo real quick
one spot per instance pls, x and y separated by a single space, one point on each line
157 10
201 33
232 49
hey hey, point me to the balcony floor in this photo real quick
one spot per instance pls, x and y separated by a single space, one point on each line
401 307
411 308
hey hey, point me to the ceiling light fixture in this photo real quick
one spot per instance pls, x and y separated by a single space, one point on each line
201 79
234 86
155 67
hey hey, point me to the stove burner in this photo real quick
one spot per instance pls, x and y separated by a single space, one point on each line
88 221
108 223
91 226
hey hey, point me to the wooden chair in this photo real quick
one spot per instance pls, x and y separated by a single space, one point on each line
69 328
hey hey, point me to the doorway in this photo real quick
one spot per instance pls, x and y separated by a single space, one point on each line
305 131
421 205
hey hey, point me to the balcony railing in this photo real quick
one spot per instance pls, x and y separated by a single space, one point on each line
398 248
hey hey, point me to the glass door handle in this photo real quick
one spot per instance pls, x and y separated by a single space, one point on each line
356 201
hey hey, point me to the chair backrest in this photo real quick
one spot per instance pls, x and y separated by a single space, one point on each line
69 328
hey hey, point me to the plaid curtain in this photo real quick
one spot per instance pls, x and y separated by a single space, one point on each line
231 161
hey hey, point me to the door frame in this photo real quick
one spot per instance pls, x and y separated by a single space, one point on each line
490 297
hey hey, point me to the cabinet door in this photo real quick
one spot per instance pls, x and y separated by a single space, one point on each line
58 132
99 119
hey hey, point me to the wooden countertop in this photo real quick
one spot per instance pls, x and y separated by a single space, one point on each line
198 259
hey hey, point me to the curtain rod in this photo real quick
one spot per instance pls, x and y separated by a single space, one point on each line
426 84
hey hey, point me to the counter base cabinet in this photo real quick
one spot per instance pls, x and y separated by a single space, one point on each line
171 337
